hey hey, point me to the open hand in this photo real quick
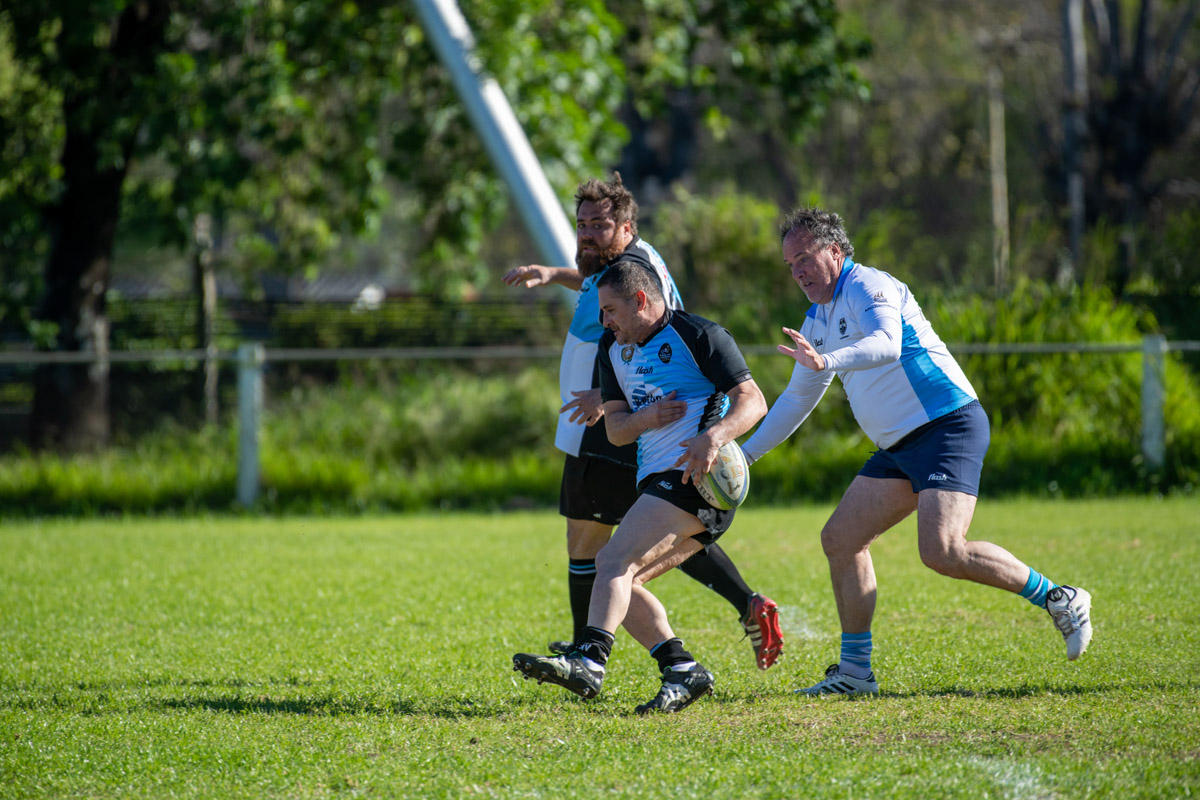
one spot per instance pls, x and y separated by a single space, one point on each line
804 352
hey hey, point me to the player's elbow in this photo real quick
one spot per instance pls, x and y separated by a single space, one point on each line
759 408
620 441
620 434
752 405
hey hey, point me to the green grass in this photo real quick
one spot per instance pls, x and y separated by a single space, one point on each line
237 657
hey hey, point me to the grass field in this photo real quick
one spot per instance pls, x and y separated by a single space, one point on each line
370 657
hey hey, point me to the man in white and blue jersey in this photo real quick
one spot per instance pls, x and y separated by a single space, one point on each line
598 484
678 386
913 401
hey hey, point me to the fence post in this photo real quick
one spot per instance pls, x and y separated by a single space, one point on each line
1154 349
250 359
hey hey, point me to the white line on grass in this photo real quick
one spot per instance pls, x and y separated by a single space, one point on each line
1019 781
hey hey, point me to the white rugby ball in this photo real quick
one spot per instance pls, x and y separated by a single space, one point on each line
726 484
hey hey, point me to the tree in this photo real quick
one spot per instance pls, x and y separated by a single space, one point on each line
738 81
263 110
288 123
558 66
1138 101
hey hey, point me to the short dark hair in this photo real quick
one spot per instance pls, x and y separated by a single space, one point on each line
627 278
624 206
825 227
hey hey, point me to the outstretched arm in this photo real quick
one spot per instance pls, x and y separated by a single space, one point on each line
798 400
534 275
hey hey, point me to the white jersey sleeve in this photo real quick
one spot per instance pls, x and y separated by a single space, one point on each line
897 373
878 316
803 392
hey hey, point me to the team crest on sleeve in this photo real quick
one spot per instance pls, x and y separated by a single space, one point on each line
664 354
627 353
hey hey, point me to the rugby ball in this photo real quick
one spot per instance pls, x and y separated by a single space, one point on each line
726 484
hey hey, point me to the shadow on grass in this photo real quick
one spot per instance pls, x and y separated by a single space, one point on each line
1047 689
235 696
113 698
999 693
331 706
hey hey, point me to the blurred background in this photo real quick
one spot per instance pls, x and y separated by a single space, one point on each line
177 182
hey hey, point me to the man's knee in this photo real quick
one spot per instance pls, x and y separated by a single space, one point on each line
836 543
944 558
611 564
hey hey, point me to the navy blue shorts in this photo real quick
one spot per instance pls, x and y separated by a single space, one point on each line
945 453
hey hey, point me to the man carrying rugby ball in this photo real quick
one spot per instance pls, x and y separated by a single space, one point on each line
599 478
678 386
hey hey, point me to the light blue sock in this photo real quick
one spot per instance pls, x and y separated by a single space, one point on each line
1036 588
856 654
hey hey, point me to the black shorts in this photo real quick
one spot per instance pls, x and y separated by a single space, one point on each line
597 490
669 486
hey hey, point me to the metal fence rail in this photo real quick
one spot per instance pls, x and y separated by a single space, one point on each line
286 354
252 358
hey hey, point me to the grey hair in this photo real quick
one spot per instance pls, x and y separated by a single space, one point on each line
825 227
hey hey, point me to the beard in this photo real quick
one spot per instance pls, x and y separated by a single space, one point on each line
592 262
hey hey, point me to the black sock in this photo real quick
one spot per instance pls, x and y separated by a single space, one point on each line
580 578
595 643
714 569
670 652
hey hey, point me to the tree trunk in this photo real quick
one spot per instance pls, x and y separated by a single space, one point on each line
1074 131
204 282
101 110
70 401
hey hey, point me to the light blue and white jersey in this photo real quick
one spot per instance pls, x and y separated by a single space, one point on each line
897 373
691 356
577 367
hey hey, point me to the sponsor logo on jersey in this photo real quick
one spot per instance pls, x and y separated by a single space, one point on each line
644 370
664 354
842 326
644 396
880 296
938 476
819 343
627 353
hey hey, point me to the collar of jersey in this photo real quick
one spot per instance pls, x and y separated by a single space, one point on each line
665 322
847 265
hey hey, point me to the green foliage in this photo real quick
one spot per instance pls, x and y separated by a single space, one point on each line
772 66
309 657
30 136
1057 407
416 416
557 66
723 250
421 321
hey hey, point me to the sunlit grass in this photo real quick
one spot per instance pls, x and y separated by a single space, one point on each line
310 657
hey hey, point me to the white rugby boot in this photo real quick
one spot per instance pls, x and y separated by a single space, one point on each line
838 682
1070 608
